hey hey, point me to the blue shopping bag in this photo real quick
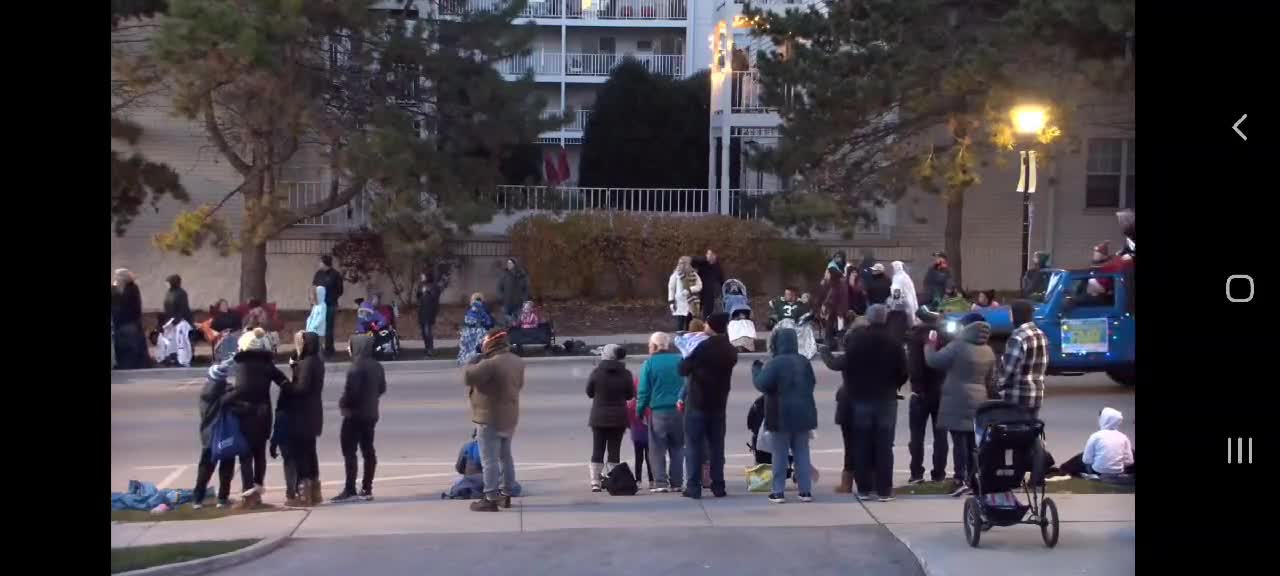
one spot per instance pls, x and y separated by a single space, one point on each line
228 441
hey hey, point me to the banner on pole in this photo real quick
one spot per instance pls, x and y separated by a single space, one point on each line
1027 174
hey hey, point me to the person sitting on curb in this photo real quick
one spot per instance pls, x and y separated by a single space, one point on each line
1107 454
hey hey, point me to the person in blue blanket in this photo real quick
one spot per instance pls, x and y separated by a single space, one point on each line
475 324
215 385
368 319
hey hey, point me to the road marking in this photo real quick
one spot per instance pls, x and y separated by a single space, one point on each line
171 477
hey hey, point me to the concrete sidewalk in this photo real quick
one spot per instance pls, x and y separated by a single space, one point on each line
1097 533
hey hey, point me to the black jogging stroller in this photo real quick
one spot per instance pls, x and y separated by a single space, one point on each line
1010 455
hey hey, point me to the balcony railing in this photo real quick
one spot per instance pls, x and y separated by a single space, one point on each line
578 199
602 64
577 121
747 93
538 62
774 2
305 193
596 10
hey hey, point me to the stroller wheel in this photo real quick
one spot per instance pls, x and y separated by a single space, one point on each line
1049 522
972 521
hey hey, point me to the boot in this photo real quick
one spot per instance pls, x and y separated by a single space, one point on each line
595 469
301 496
846 483
317 498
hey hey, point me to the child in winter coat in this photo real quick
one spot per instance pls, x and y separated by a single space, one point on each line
1107 453
210 409
639 435
279 446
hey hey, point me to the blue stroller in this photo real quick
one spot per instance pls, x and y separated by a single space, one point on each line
742 330
1010 447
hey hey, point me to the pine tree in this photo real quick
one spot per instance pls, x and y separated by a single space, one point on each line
404 109
878 96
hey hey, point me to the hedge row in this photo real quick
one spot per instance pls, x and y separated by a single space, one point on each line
618 254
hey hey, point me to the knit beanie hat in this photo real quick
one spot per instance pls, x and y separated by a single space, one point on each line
613 352
255 339
719 322
494 340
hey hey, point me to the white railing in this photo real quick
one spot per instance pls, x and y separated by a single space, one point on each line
654 200
750 204
602 64
747 94
303 194
539 62
774 2
577 121
593 10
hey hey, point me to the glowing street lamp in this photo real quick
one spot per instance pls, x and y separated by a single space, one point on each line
1028 120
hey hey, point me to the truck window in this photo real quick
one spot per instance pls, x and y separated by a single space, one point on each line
1079 291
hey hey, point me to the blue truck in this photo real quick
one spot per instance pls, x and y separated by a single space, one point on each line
1086 332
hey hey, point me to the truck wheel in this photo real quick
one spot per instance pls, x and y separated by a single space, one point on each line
1124 375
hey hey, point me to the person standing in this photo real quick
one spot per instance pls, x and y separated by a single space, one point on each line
844 410
902 302
712 274
835 305
710 371
970 366
609 388
494 381
880 365
429 291
306 415
937 278
366 383
790 413
922 408
176 306
1039 262
683 288
250 399
210 407
126 316
659 392
513 290
1022 369
331 280
878 286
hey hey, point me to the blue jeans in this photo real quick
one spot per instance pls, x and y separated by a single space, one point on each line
666 435
874 423
797 443
495 458
701 428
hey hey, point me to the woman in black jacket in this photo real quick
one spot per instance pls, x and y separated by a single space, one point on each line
176 306
429 290
250 399
609 388
126 319
306 414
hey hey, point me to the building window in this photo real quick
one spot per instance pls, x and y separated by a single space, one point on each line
1111 173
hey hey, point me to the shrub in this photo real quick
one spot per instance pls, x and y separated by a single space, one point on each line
583 254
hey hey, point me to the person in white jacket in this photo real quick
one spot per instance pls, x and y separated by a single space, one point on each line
1108 451
683 288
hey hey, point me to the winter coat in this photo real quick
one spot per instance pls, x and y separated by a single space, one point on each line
250 398
874 367
428 302
710 371
836 303
660 383
315 321
366 382
712 276
126 304
681 297
787 382
513 287
1108 451
609 388
970 366
332 282
926 382
878 288
936 281
493 386
902 293
305 405
176 306
215 387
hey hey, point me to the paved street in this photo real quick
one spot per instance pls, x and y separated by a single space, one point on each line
425 418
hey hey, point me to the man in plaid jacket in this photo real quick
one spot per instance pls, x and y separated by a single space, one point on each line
1025 361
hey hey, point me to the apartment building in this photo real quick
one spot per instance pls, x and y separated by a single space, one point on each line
578 43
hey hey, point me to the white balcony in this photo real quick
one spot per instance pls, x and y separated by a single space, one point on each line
747 94
578 10
550 66
540 62
577 121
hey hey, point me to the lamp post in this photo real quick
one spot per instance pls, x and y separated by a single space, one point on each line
1027 121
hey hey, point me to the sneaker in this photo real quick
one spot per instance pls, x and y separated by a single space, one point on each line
659 490
916 480
595 488
777 498
806 497
257 489
484 505
366 495
887 498
345 496
223 503
865 497
197 506
960 490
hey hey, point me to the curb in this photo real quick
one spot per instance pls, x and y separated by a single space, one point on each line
214 563
153 374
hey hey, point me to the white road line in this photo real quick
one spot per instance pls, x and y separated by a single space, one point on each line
171 477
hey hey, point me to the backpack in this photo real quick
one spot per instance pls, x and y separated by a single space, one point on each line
227 441
620 481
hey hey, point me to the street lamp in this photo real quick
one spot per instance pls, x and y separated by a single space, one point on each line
1028 120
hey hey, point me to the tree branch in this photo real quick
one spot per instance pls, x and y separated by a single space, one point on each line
334 201
215 133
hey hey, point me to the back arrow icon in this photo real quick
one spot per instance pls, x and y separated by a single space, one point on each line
1236 127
